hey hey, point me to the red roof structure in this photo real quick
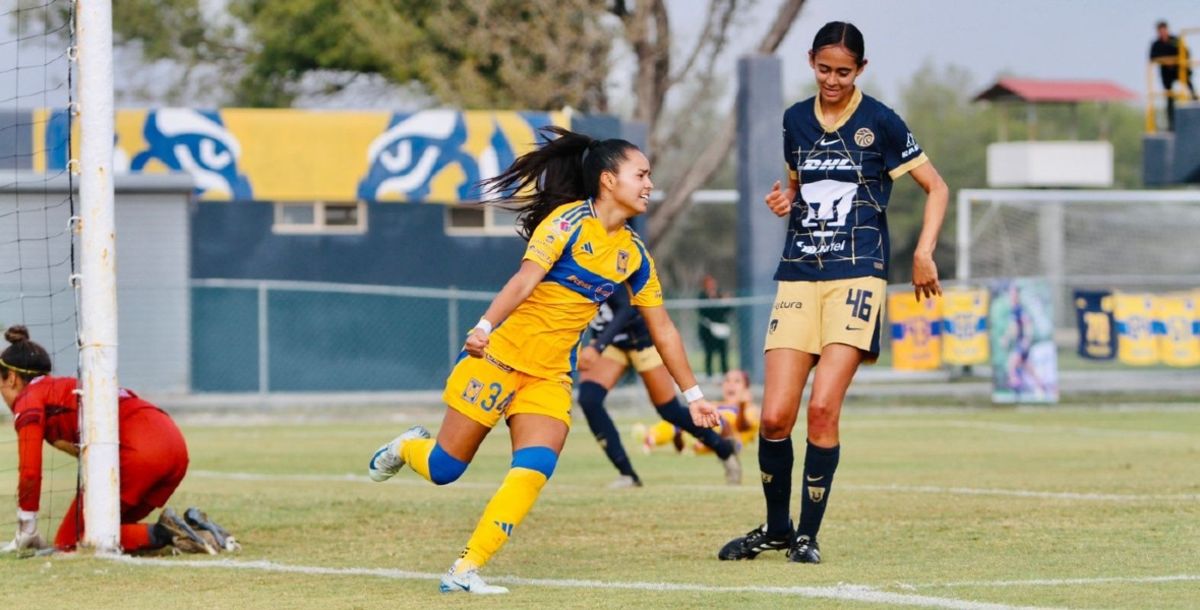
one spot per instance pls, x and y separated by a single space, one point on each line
1036 91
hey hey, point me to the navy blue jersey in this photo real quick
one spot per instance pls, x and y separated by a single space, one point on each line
838 224
619 323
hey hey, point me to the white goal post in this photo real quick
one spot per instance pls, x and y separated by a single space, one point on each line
99 451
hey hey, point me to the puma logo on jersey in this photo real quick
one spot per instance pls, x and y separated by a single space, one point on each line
831 165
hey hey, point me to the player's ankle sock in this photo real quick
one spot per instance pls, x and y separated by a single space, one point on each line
775 460
428 459
677 414
591 398
819 466
531 468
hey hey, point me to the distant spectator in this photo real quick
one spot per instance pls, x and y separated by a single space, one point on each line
714 328
1170 53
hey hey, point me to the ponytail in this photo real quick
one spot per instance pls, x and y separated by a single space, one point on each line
565 168
23 357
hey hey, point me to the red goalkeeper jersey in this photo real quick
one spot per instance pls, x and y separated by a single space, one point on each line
48 409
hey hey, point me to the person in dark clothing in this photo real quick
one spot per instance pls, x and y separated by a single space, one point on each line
714 329
1171 55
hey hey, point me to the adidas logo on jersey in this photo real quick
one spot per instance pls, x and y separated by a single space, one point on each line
831 165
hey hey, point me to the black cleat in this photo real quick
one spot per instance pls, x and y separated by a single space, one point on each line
754 542
805 550
202 524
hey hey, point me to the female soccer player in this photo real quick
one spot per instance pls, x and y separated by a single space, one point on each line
576 196
843 149
739 418
622 339
153 457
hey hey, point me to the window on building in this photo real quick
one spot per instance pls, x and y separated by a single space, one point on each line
476 219
320 217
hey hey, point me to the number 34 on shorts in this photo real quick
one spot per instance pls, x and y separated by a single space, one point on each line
487 390
489 399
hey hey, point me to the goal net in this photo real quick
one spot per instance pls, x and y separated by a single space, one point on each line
37 252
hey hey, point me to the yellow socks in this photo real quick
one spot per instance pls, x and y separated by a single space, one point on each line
531 468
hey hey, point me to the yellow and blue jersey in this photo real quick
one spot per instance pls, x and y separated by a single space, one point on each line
584 265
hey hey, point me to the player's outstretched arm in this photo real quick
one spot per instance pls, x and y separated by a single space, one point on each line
670 348
518 288
937 197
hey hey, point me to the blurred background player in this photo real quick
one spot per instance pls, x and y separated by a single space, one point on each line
843 150
621 340
153 458
1169 52
739 420
576 195
714 328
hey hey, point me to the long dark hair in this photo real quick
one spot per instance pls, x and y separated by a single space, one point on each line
23 357
841 33
565 168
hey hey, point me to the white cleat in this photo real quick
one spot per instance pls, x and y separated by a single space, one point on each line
468 581
387 461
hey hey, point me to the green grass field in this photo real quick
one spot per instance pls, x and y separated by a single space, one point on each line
968 508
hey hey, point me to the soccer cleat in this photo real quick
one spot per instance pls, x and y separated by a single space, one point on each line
626 481
733 469
201 523
805 550
754 542
468 581
183 537
387 461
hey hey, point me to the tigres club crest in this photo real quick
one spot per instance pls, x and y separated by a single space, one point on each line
864 137
471 393
622 261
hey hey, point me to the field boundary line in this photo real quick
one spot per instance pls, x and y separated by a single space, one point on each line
1057 582
855 593
926 489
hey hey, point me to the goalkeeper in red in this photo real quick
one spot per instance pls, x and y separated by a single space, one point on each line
517 361
153 458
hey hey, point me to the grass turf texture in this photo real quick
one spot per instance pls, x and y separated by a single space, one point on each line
925 503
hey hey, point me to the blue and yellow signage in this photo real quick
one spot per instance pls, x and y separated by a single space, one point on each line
238 154
964 326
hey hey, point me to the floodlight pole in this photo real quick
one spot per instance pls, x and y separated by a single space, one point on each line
98 283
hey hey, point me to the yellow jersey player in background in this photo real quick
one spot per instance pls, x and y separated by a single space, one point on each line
575 195
739 420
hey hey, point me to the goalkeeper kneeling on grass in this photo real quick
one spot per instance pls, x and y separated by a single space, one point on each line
153 459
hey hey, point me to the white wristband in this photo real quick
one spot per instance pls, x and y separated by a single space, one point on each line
693 394
484 325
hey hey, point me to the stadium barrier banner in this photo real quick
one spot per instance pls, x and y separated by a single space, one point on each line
964 326
1133 317
1024 358
916 332
1176 326
266 154
1094 318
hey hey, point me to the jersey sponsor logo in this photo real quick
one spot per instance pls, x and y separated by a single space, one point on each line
622 261
789 304
910 146
562 224
603 291
536 251
828 203
864 137
829 165
836 246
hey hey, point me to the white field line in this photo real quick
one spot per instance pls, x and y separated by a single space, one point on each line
924 489
1024 428
855 593
1058 582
